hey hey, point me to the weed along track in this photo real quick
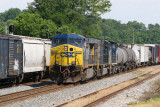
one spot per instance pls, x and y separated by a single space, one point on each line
102 95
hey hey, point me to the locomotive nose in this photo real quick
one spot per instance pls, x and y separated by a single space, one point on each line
67 55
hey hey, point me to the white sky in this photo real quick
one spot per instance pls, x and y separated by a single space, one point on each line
145 11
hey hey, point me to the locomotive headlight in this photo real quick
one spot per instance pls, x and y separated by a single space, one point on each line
73 63
65 48
57 63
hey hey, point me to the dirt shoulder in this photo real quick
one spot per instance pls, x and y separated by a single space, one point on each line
150 98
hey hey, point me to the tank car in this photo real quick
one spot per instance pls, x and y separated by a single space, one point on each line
125 58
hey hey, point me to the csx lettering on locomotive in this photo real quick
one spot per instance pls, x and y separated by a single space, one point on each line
67 54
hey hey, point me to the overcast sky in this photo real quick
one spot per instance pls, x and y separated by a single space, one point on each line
145 11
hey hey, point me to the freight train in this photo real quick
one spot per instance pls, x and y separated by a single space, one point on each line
77 58
23 57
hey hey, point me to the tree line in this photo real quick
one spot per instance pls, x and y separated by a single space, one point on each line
50 17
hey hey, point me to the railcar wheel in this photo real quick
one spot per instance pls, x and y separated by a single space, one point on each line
100 73
83 75
41 75
19 79
35 77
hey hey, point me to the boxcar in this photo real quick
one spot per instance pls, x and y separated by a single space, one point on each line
11 59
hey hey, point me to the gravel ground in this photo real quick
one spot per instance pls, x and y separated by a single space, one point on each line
129 96
60 97
23 88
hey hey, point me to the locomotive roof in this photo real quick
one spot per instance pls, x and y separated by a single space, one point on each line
67 36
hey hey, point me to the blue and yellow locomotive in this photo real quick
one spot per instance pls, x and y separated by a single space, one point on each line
77 58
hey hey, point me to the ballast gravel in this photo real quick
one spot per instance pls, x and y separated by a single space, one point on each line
69 94
23 88
129 96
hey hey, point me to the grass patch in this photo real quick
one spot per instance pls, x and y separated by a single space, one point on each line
138 79
150 103
150 97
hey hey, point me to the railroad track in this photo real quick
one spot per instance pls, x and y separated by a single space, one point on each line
23 95
19 96
7 85
102 95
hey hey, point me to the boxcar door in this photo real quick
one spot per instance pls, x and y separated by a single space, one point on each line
15 57
3 57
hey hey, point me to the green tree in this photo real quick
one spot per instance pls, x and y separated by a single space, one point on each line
33 25
10 14
2 27
75 14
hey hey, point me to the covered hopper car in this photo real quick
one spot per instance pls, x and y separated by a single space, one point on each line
23 57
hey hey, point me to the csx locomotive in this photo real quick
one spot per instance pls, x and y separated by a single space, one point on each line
77 58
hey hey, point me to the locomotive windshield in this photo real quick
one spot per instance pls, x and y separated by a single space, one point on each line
59 41
75 42
72 39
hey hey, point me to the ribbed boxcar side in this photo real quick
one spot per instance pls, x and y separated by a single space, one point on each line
11 59
17 58
4 57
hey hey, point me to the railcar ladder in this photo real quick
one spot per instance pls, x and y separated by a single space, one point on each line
11 55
